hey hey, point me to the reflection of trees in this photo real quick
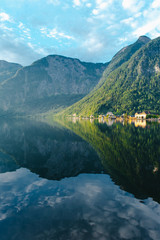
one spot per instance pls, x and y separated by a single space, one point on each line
130 155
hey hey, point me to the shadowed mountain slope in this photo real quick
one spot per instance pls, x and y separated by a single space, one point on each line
52 82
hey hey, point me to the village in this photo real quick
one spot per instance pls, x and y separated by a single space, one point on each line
138 116
139 119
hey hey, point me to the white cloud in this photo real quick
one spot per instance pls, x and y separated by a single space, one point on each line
76 3
54 33
88 5
37 49
132 5
4 17
31 45
93 43
25 30
4 27
101 5
150 23
149 27
127 20
43 30
156 4
15 49
122 40
79 3
95 11
130 21
21 26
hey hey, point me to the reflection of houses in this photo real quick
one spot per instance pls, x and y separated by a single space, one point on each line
91 120
110 122
110 115
140 123
142 115
100 118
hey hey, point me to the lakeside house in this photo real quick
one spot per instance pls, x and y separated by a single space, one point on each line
100 116
142 115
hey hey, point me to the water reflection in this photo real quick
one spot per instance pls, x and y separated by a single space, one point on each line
130 155
82 206
137 122
140 123
85 207
53 152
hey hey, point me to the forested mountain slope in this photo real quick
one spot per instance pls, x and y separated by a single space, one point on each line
134 86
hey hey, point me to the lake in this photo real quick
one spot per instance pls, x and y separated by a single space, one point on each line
66 180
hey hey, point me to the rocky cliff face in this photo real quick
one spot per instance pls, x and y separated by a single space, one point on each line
52 82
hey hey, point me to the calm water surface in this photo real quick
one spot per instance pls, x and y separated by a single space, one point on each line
79 180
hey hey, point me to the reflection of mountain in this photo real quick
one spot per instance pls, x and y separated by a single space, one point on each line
7 163
52 152
130 155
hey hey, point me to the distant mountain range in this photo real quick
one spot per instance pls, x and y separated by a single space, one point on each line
53 82
130 82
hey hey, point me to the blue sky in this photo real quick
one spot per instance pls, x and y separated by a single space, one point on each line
91 30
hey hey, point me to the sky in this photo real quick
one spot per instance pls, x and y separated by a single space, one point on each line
90 30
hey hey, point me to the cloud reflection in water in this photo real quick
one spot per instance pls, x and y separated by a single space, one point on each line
89 206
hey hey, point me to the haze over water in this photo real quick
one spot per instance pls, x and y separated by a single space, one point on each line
79 180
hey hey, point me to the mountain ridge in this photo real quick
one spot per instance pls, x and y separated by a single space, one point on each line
128 83
102 98
8 69
52 82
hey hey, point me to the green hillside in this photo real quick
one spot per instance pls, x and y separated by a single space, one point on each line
123 56
134 86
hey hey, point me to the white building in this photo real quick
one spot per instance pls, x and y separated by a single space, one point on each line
142 115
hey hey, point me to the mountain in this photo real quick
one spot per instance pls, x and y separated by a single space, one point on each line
52 82
122 56
133 86
7 69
